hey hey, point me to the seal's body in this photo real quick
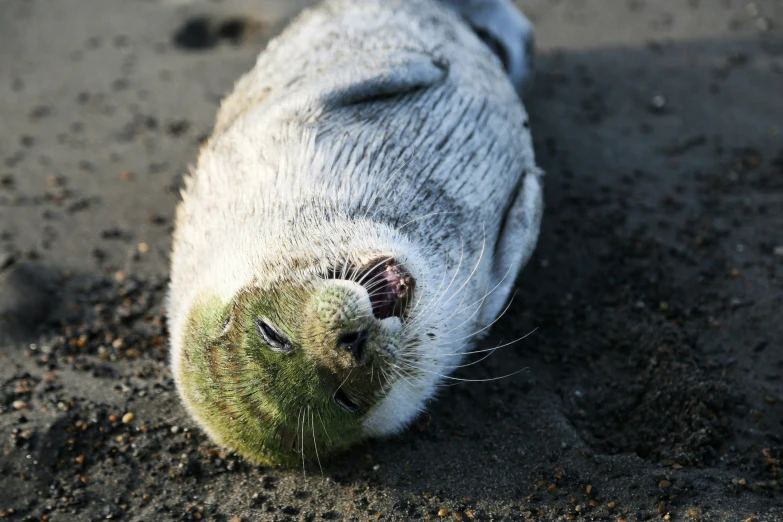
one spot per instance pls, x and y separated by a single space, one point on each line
356 219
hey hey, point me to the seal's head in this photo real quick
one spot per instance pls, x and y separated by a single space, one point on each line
289 369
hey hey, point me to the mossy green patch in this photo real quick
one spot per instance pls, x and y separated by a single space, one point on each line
278 406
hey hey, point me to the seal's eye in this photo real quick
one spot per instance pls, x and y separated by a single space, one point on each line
274 339
226 325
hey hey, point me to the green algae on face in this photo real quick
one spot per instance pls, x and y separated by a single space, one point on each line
285 375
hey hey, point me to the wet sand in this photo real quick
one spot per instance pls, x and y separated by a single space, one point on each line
652 385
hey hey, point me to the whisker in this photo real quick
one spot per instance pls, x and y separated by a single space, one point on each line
423 217
475 268
474 380
315 444
500 316
341 384
531 332
478 302
470 276
385 260
417 320
324 425
304 471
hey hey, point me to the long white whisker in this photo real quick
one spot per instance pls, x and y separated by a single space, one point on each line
418 321
315 444
304 471
341 384
385 260
479 301
531 332
473 380
324 425
423 217
470 276
500 316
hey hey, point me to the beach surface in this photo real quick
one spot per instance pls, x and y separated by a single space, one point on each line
652 384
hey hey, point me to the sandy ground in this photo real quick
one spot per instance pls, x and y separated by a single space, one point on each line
653 385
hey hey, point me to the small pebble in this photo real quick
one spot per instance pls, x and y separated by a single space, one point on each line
664 484
143 248
128 417
6 259
19 405
127 175
658 103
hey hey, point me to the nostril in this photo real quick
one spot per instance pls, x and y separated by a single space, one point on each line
348 338
355 343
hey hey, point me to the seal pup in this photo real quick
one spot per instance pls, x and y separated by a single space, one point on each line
355 221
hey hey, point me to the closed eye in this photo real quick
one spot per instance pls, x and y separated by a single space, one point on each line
226 325
272 338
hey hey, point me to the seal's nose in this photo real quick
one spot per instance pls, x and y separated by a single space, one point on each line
339 323
354 343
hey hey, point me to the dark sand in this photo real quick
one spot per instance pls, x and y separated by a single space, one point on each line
653 384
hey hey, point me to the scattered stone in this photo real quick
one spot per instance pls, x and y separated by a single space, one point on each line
657 104
6 259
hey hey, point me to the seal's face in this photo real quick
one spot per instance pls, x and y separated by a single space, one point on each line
289 371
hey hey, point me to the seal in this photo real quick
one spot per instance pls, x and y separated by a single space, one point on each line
353 224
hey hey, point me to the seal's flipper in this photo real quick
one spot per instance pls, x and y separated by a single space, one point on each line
506 31
356 79
516 241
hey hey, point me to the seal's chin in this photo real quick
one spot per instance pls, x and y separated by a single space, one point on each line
389 286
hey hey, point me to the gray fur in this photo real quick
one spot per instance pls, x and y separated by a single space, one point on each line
373 125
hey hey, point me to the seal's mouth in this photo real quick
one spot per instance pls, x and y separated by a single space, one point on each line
390 289
388 284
